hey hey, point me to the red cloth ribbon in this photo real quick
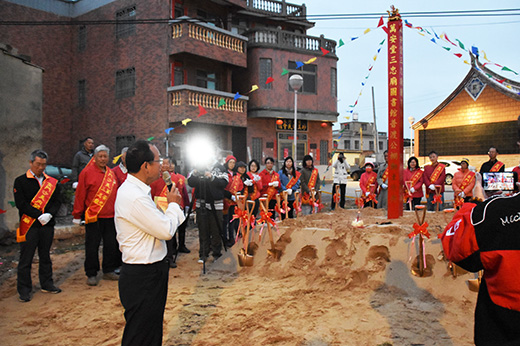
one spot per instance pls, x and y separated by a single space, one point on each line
297 207
266 218
437 199
336 198
279 210
419 229
371 197
360 202
459 202
285 205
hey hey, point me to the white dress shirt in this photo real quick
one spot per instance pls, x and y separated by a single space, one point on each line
142 229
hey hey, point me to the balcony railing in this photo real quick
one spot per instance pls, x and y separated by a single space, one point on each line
274 7
209 99
289 40
207 33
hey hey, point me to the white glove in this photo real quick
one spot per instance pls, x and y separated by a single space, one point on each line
367 193
248 182
75 185
273 183
384 186
432 187
44 218
256 177
462 194
233 198
289 191
412 190
76 221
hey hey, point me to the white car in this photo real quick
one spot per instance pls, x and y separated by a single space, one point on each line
452 167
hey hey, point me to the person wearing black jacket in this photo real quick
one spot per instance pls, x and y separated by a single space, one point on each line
41 232
209 187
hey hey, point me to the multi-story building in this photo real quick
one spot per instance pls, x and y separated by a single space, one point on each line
119 70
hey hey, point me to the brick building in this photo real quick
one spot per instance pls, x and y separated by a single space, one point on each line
120 70
483 111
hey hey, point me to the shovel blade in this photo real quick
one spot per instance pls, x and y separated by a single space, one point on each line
274 253
245 260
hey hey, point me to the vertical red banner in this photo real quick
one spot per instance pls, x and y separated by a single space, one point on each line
395 115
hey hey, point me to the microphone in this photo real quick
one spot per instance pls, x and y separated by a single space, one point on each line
167 179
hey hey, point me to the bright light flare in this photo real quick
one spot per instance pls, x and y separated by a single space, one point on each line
201 152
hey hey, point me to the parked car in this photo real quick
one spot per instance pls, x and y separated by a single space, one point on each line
59 172
452 167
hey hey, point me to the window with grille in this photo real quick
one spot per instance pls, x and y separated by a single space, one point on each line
178 73
82 38
125 83
364 127
324 151
381 145
309 74
346 144
265 72
371 145
82 86
257 148
356 145
207 79
334 82
124 19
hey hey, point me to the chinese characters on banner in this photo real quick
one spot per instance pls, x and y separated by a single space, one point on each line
395 115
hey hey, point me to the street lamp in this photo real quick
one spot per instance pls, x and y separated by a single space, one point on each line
411 120
296 82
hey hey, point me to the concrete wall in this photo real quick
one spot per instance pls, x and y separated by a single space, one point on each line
21 106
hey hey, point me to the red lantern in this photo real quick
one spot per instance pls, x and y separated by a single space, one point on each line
279 122
323 124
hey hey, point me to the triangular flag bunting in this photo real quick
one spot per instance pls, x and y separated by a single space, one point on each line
501 80
324 51
185 121
299 64
458 55
447 48
375 57
485 57
447 39
497 64
435 34
433 40
114 160
508 69
150 139
168 130
269 80
254 87
385 29
371 67
381 43
366 31
341 43
379 49
12 203
3 211
381 22
474 50
354 38
237 96
284 72
466 62
221 102
310 61
461 45
202 111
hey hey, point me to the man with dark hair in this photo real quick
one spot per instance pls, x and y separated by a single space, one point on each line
142 231
37 197
82 158
434 177
493 165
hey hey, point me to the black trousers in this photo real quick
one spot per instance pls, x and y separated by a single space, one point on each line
38 237
415 201
142 290
102 229
290 214
209 233
172 245
342 188
230 228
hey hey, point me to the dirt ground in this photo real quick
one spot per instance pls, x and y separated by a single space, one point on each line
333 285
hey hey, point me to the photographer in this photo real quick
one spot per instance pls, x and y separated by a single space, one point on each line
209 187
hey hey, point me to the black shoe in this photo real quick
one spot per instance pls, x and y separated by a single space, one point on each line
183 249
173 264
24 298
53 290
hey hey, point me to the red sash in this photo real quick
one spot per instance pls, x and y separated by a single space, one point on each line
101 197
385 175
39 202
436 173
306 198
465 182
371 196
293 180
272 191
370 181
415 178
255 194
496 167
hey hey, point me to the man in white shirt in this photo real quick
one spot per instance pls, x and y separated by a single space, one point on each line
142 231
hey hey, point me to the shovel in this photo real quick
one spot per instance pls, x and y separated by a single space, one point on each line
474 284
274 253
408 185
245 259
296 204
420 220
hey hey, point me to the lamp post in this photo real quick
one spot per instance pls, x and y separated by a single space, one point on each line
296 82
411 120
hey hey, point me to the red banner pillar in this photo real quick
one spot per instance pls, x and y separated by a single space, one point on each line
395 114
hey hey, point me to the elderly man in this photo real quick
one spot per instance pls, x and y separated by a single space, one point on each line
142 231
37 197
82 158
95 197
120 170
434 177
493 165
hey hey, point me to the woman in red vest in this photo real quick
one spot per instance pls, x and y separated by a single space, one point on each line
368 185
413 182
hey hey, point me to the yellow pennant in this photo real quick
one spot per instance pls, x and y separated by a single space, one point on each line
311 60
466 62
115 159
485 57
253 88
366 31
185 121
375 57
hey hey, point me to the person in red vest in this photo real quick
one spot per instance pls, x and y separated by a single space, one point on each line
493 165
95 198
368 185
159 189
120 170
254 184
37 197
290 182
434 178
310 179
463 183
270 182
413 182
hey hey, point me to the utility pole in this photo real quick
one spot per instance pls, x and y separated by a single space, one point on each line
376 147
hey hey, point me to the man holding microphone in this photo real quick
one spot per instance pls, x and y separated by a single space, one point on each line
142 231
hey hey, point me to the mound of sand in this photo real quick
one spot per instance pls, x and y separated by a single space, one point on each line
333 285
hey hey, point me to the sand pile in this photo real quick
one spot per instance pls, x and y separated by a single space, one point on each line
333 285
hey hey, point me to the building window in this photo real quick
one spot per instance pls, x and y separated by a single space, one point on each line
356 145
309 74
207 80
333 82
82 38
82 92
123 141
346 144
364 127
347 127
178 74
177 8
265 72
125 28
324 151
257 149
125 83
371 145
381 145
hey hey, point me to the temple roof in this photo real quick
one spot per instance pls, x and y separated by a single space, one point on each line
501 84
